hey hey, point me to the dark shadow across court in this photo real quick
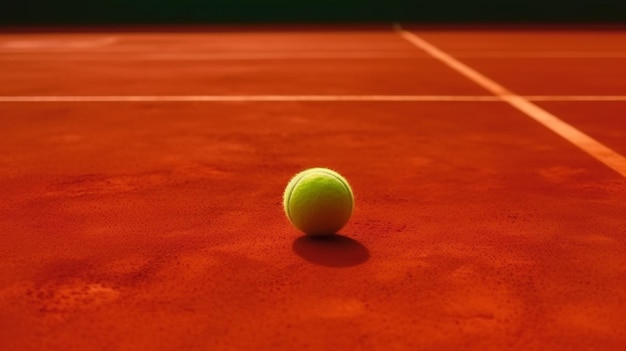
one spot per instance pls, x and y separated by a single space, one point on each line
332 251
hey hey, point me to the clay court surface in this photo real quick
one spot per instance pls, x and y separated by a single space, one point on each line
141 176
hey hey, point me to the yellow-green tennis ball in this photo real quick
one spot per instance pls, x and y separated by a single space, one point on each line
318 201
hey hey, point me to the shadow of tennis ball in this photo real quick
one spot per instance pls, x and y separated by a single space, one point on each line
331 250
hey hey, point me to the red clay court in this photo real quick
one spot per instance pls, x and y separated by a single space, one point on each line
141 176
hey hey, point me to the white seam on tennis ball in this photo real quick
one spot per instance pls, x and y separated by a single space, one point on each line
343 183
297 181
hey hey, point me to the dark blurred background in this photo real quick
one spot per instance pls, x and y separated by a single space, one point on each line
78 12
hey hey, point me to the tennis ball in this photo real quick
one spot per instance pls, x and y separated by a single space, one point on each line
318 201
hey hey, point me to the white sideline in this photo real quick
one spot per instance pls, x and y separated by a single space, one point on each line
583 141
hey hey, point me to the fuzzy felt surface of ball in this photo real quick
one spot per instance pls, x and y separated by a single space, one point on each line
318 201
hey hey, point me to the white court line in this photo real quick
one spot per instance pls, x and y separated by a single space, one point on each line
583 141
62 44
541 54
303 98
61 54
566 98
100 56
245 98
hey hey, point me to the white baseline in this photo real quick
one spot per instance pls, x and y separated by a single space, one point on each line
302 98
